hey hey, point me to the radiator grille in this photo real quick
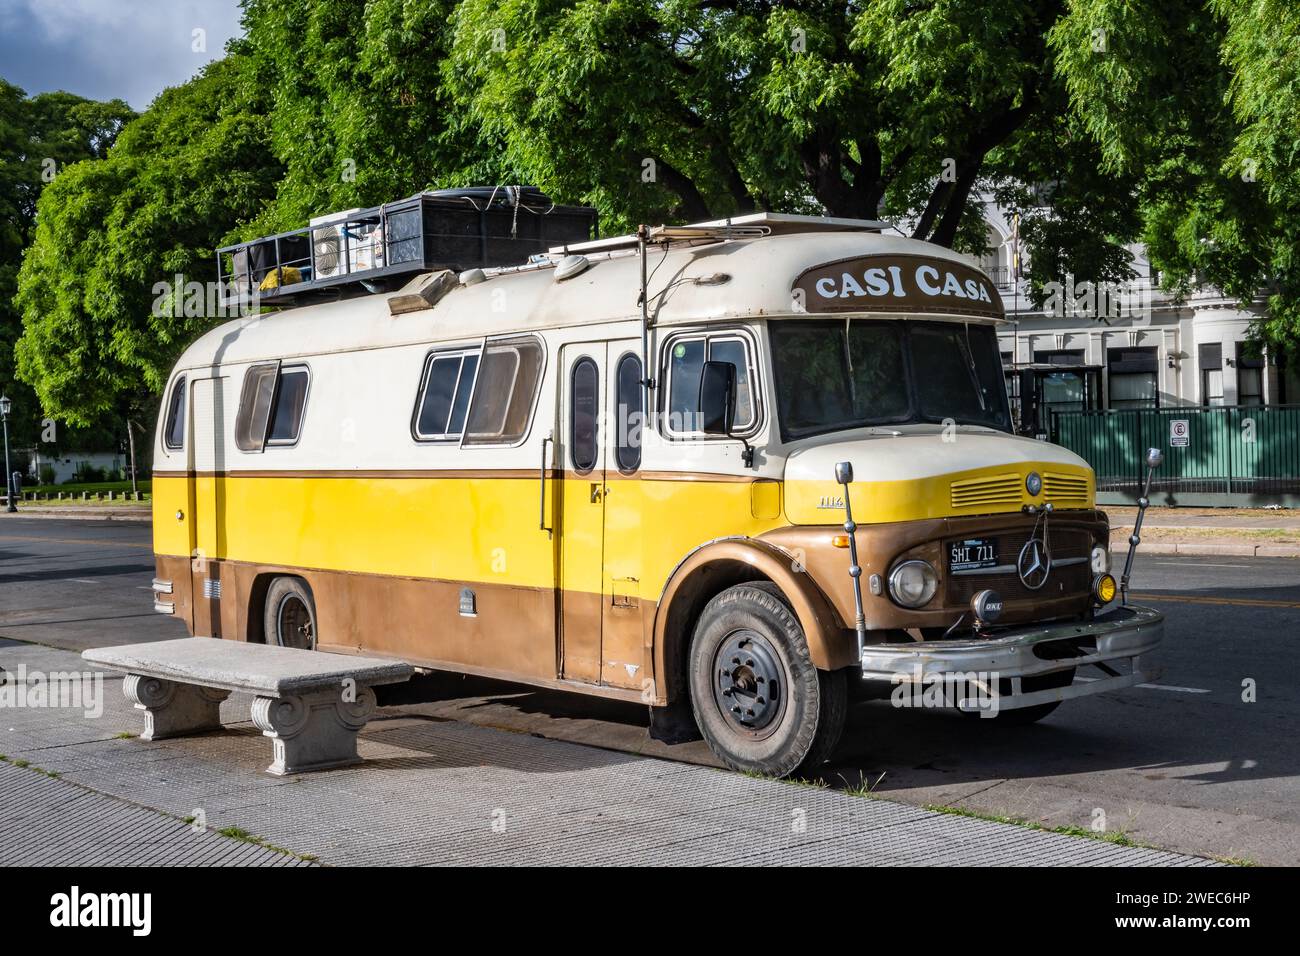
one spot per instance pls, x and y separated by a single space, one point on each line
985 492
1065 487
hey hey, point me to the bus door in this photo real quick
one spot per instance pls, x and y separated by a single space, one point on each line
599 515
580 515
207 466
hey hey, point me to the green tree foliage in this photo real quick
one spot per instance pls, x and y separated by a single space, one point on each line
39 137
359 114
1200 103
173 187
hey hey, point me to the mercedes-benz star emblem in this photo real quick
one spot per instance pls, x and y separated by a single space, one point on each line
1034 564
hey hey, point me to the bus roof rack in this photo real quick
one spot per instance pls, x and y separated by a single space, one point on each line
377 249
752 226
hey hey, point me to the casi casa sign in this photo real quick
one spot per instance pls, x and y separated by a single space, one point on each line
898 283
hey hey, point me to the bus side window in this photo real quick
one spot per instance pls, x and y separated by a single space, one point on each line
271 406
505 391
444 395
174 433
630 413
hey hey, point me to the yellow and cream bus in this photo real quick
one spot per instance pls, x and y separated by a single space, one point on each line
623 469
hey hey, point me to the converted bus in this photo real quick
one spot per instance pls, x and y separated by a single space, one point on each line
737 471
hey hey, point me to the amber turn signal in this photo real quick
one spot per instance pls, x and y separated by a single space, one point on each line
840 541
1103 589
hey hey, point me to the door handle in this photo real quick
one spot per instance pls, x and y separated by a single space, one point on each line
541 521
596 490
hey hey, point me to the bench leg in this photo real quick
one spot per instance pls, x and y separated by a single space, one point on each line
172 709
314 731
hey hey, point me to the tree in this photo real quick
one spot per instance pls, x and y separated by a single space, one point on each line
179 180
693 110
359 114
39 137
1200 104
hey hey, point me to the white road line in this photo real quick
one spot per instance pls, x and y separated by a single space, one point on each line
1179 690
81 580
1180 564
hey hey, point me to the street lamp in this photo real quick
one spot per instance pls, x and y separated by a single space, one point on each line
9 484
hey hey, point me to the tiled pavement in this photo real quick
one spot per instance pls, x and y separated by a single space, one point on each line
443 792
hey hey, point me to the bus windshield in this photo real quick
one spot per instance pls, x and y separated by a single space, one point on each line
833 375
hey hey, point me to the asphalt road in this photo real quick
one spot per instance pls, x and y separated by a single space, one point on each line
1186 764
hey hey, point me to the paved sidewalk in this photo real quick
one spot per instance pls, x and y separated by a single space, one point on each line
1238 532
444 792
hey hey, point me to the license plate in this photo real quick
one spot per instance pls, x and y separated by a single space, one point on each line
972 554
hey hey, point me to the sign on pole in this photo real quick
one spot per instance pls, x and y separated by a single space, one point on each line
1179 432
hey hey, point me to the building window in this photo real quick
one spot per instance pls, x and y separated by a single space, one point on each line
685 367
505 390
1250 374
444 395
1133 378
584 410
631 413
271 406
1210 360
1058 357
174 431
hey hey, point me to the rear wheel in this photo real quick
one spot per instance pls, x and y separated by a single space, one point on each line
290 616
760 702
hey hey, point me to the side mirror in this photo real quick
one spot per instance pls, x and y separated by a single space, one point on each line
844 473
1154 457
717 409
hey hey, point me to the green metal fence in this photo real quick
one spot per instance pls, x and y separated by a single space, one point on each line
1232 449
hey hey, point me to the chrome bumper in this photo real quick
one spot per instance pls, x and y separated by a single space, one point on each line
1118 643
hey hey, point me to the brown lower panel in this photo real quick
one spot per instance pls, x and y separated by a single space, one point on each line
511 636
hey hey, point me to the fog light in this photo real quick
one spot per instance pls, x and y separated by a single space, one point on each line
913 583
1103 589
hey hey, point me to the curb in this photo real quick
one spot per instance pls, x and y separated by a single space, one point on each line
1204 549
86 514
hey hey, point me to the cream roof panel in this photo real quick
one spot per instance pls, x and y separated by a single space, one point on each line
761 271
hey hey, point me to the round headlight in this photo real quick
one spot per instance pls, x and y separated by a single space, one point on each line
913 583
1033 484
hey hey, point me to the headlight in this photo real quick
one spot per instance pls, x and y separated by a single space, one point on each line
1100 559
913 583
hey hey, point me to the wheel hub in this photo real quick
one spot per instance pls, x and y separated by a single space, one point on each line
295 624
747 681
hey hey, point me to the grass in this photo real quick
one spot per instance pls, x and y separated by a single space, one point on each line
124 735
27 765
243 836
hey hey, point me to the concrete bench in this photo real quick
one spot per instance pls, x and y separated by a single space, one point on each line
312 705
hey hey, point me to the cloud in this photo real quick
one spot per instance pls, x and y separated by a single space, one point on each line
102 49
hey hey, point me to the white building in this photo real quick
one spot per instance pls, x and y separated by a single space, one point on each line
67 467
1151 351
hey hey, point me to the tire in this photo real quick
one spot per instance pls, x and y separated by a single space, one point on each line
746 633
289 619
1023 716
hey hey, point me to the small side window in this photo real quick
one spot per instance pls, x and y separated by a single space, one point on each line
686 365
444 395
174 431
583 411
505 391
271 406
630 413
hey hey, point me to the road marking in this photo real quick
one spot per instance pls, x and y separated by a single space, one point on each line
81 580
1179 690
96 541
1183 564
1194 599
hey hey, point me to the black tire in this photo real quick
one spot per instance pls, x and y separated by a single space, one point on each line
289 619
1023 716
791 731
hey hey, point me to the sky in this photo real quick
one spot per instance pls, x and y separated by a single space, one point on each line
102 49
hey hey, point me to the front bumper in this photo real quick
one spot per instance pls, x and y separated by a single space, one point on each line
1118 643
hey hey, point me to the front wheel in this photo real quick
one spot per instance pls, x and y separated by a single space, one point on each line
760 702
